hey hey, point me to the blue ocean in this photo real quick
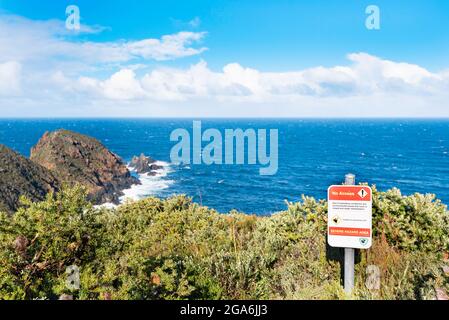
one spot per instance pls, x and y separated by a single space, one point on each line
412 155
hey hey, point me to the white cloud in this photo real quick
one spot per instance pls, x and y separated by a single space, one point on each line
365 76
45 68
10 78
169 47
49 41
123 85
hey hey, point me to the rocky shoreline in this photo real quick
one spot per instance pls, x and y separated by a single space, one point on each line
62 158
144 165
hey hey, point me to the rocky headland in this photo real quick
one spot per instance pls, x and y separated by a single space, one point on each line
68 158
79 159
21 176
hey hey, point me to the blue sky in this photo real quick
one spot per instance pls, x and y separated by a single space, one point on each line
282 37
283 34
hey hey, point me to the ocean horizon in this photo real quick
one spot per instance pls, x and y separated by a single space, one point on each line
407 153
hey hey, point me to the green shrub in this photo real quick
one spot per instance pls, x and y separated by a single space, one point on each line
412 223
175 249
42 239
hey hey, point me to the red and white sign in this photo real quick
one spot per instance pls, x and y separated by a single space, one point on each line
349 217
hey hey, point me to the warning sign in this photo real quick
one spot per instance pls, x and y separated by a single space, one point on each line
350 217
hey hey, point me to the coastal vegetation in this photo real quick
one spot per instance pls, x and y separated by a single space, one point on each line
56 244
176 249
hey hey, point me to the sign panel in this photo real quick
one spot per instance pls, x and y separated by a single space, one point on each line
349 217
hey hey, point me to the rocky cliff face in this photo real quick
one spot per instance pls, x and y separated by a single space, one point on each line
78 159
20 176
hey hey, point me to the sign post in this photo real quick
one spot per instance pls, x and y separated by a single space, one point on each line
349 222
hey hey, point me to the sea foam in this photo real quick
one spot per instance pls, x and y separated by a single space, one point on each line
150 184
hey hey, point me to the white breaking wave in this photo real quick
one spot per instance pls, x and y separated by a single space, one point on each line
150 184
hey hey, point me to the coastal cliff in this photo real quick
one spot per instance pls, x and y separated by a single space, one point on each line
79 159
20 176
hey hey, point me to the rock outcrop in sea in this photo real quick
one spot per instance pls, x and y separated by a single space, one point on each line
78 159
20 176
144 165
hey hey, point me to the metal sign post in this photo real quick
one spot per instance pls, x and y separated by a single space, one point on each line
349 222
349 252
349 270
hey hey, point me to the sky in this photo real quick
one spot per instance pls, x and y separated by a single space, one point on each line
227 58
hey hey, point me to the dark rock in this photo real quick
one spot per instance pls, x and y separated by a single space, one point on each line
154 167
21 176
143 164
78 159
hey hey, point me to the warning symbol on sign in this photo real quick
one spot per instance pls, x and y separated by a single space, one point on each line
362 193
350 216
336 219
